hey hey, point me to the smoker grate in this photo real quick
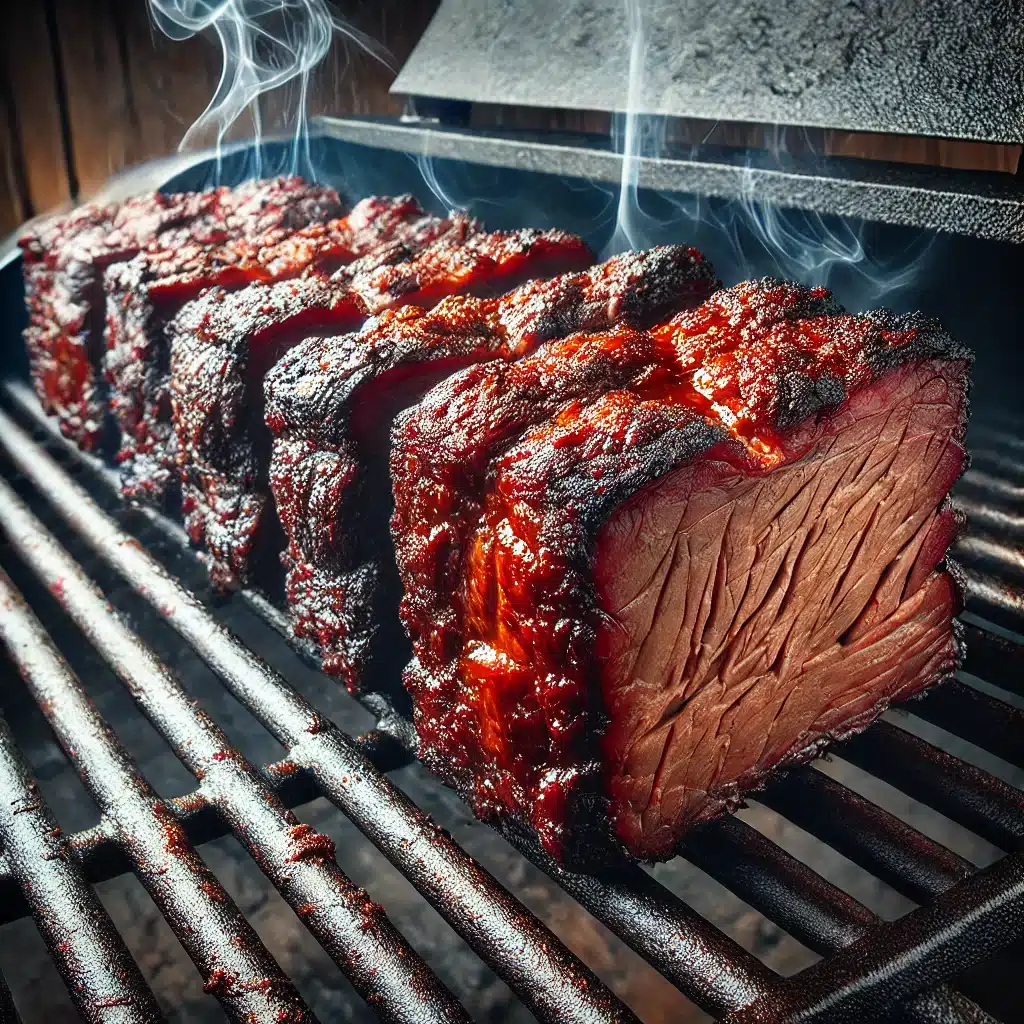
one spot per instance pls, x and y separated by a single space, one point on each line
869 966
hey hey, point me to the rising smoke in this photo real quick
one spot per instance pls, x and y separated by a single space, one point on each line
266 46
750 236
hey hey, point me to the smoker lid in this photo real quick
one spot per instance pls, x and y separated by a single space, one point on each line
950 68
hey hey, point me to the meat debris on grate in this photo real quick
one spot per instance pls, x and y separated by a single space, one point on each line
642 569
65 259
330 403
223 346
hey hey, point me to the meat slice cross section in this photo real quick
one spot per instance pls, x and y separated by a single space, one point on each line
224 344
645 568
146 293
64 259
330 403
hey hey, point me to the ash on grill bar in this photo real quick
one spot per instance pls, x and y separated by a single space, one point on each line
543 460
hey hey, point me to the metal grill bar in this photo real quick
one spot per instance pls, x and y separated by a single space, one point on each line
995 659
811 909
700 960
863 981
969 796
999 559
515 944
873 838
299 862
987 518
999 436
1001 483
993 599
798 899
234 964
91 957
102 859
977 717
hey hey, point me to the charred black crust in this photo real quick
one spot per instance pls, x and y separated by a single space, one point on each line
811 302
310 393
590 491
656 293
930 341
800 396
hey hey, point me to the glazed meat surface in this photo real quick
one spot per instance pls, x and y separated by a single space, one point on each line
146 293
64 260
224 344
644 568
330 403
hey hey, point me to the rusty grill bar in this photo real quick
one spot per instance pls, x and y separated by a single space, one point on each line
869 965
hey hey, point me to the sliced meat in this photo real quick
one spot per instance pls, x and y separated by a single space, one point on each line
330 403
64 259
642 570
224 344
146 293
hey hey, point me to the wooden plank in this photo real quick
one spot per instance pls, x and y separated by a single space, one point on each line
132 93
98 107
170 81
25 40
14 204
958 153
351 81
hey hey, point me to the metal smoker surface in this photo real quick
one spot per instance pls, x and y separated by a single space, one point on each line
868 966
848 66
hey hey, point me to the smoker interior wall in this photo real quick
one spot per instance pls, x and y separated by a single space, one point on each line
88 87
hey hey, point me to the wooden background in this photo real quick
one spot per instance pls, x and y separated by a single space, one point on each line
88 87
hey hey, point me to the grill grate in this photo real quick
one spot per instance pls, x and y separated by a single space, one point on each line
868 966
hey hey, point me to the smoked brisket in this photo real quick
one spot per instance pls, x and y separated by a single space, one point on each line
330 403
146 293
644 568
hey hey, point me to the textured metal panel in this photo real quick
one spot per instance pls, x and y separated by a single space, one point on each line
921 67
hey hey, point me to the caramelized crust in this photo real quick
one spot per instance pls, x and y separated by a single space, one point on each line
505 478
65 259
224 344
330 403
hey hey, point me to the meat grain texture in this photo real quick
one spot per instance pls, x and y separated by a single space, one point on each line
644 568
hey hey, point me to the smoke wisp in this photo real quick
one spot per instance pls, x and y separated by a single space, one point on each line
266 46
749 236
